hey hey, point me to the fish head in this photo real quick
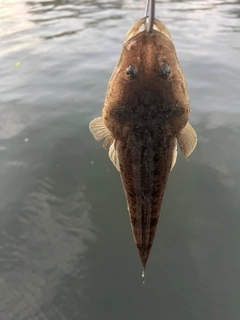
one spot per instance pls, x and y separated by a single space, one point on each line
148 77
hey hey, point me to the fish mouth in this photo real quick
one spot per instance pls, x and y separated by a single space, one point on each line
141 25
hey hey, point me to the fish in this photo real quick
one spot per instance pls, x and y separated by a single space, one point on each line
145 116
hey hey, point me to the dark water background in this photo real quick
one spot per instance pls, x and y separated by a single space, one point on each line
66 248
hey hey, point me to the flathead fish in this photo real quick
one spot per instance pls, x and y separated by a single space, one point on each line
145 114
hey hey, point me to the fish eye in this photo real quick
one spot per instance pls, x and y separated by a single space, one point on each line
131 72
165 70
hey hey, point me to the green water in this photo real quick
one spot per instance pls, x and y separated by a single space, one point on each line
66 247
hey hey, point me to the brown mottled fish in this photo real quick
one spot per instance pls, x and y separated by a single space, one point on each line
145 114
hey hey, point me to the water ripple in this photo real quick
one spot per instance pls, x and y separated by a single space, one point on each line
53 233
56 60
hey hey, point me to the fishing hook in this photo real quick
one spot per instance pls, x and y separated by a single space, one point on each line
150 13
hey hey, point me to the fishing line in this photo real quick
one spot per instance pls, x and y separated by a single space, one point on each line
150 14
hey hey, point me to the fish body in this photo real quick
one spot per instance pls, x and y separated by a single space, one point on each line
145 113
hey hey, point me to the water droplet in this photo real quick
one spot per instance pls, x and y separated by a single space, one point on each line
92 162
143 276
26 139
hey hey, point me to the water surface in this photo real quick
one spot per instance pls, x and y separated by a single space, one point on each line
66 248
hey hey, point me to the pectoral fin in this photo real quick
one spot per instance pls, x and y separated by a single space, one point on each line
107 142
187 140
100 131
113 156
174 158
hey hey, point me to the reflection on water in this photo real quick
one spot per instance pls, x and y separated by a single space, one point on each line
66 248
41 244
